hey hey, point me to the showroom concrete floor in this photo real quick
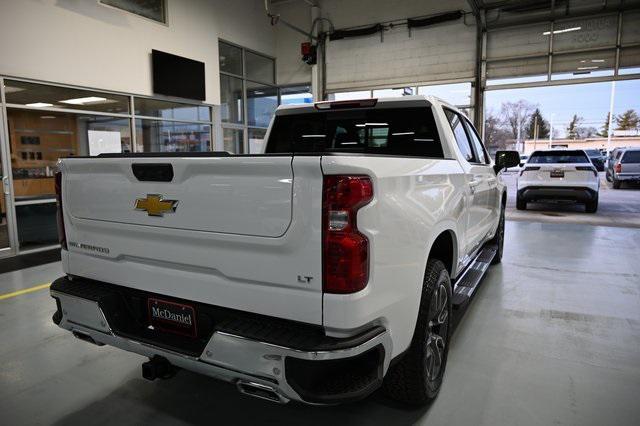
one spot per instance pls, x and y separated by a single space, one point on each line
552 337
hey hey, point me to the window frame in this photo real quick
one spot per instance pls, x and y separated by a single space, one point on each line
461 118
244 78
130 116
471 130
165 12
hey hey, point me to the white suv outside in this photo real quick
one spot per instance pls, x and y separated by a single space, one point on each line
559 175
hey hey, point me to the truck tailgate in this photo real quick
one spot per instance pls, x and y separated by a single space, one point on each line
228 195
226 231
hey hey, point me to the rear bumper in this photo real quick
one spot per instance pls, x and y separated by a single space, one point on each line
628 176
296 367
536 193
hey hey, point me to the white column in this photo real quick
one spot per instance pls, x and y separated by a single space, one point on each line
317 76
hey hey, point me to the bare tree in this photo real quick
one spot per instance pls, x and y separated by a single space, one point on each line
515 115
573 127
495 135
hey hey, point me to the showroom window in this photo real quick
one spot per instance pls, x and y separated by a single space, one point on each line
47 122
168 126
155 10
248 97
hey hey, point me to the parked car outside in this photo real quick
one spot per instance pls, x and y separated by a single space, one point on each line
624 166
597 159
565 175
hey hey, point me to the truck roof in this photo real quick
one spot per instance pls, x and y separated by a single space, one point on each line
400 101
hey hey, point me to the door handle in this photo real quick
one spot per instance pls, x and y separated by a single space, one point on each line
473 184
5 185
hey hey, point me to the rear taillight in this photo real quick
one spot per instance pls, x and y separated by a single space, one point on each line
345 251
529 169
618 168
588 168
62 236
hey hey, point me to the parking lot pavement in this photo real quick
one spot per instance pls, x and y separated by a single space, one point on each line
616 207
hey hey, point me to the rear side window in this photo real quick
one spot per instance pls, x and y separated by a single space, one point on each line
461 135
477 143
555 157
631 157
392 131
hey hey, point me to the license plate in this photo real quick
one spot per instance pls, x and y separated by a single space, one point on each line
557 173
172 317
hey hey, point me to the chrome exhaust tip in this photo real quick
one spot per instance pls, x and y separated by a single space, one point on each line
260 391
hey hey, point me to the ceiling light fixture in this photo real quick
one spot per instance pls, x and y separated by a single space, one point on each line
565 30
84 101
39 105
587 68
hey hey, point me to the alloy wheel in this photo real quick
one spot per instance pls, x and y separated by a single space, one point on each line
437 332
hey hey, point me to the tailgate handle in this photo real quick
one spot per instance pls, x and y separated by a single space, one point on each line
153 172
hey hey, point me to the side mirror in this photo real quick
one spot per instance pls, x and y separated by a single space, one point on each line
506 159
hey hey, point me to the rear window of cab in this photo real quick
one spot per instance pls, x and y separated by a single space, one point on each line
558 157
391 131
631 157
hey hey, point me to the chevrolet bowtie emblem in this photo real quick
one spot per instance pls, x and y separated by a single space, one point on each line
154 205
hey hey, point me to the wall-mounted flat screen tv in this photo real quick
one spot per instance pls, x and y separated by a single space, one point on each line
177 76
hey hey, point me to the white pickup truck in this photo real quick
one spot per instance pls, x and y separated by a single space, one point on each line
319 271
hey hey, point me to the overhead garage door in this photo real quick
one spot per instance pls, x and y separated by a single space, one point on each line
442 52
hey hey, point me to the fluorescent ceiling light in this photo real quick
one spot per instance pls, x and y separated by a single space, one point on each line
565 30
372 124
11 89
39 105
47 117
402 134
597 60
587 68
84 101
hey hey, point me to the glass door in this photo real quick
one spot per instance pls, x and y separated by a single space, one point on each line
7 222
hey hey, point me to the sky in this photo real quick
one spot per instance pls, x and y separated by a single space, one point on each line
558 103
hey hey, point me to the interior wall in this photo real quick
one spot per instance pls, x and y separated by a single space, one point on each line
81 42
290 68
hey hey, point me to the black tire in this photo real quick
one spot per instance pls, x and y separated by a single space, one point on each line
616 183
498 240
416 378
607 176
521 204
591 206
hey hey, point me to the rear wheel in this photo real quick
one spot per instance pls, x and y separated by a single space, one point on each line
591 206
498 240
616 183
521 204
417 377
